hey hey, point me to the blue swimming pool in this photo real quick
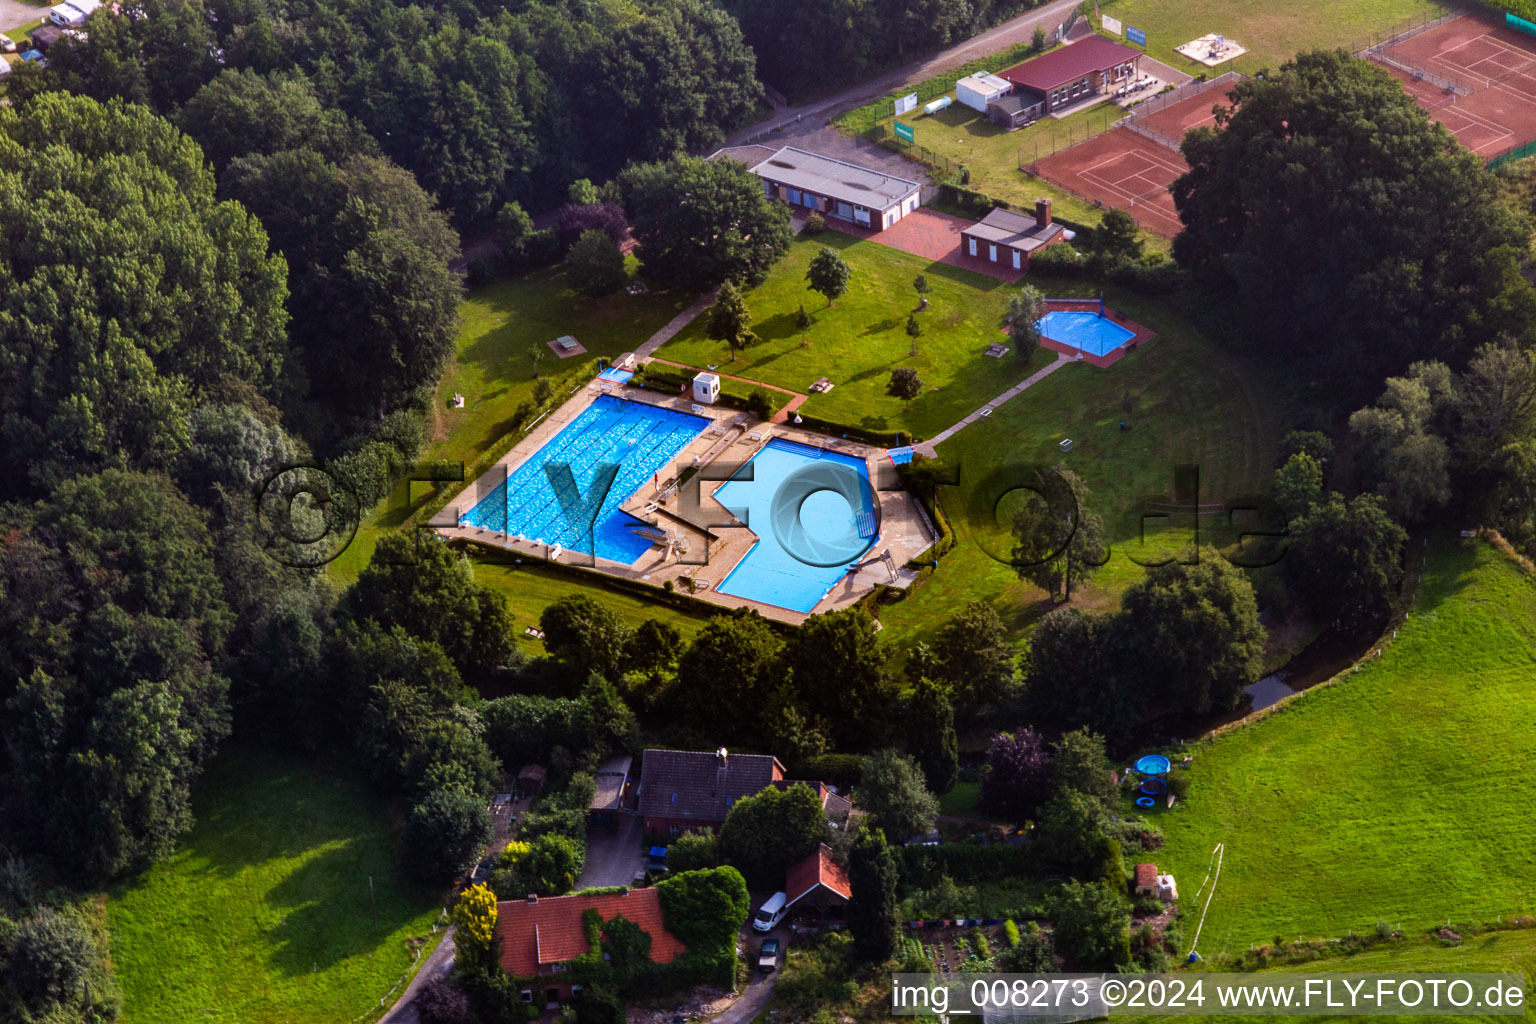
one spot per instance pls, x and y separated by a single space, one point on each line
558 496
814 514
1091 333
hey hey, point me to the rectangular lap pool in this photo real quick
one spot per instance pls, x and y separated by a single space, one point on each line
814 515
1088 332
563 495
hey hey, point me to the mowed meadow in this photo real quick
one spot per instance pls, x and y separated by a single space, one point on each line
1397 794
262 915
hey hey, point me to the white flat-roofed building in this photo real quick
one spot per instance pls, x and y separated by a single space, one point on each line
836 188
980 89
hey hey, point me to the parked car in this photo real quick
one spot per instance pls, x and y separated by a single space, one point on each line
7 44
768 955
771 913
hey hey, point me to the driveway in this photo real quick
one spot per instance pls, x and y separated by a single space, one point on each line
438 964
754 998
614 857
14 12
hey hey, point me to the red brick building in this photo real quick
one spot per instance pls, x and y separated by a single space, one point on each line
1008 239
684 790
690 789
1067 76
540 937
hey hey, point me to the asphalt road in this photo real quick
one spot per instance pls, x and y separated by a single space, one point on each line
808 117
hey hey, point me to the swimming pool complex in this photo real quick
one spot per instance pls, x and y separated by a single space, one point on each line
814 514
1088 332
562 495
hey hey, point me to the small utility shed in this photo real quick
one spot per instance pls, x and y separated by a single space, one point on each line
1016 110
980 89
530 780
1010 238
44 36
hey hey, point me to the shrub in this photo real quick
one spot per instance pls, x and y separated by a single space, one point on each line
760 404
482 271
50 957
1010 933
440 1002
444 834
815 224
1178 783
1061 259
542 249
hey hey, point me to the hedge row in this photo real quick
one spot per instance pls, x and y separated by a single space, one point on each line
1519 8
978 204
1162 278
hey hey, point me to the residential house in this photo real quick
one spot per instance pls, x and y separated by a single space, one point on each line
540 937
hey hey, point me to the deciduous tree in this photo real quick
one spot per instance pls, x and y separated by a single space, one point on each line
828 274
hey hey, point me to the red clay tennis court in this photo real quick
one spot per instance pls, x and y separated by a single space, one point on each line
1476 78
1131 170
1124 170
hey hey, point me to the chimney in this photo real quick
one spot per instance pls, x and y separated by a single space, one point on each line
720 757
533 897
1043 213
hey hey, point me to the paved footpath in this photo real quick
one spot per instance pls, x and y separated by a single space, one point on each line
928 446
677 323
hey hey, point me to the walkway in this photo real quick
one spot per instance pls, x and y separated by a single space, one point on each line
673 326
928 446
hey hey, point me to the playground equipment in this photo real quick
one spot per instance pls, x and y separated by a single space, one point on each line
1153 764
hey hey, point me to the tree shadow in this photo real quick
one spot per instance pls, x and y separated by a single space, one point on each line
880 327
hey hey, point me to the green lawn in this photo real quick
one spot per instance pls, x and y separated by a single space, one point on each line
262 914
1185 401
964 801
862 338
530 587
1395 795
1272 32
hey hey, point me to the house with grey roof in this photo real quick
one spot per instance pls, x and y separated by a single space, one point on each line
1007 238
836 188
683 790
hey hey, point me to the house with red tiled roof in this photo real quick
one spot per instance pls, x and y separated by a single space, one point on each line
541 936
817 881
1074 73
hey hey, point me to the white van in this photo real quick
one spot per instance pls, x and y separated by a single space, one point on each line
770 913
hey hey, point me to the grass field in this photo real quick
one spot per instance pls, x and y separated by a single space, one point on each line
1185 401
862 338
1392 796
262 914
529 588
1272 32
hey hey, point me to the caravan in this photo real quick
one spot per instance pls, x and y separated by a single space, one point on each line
72 13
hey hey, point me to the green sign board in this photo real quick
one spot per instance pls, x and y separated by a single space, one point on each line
905 133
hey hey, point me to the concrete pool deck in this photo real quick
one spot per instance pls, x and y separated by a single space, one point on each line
715 545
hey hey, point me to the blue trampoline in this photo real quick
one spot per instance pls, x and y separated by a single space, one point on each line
1154 787
1153 764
